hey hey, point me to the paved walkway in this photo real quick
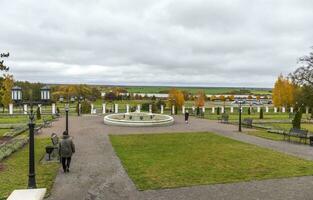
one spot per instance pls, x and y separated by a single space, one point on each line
97 174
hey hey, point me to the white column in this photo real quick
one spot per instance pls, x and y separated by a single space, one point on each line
291 109
183 109
25 109
213 109
258 109
52 108
127 108
173 109
306 110
150 108
91 110
39 106
231 109
116 108
103 108
203 109
193 109
275 110
266 109
223 109
11 109
162 109
283 109
138 108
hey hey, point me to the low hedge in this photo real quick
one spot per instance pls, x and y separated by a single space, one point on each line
13 145
16 131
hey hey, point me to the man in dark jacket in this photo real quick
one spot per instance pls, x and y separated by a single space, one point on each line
186 116
66 150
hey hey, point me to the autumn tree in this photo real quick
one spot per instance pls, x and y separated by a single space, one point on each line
6 88
303 75
283 92
200 99
303 78
176 97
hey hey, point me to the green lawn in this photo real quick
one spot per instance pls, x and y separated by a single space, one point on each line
256 116
287 126
267 135
184 159
15 173
193 90
3 131
21 119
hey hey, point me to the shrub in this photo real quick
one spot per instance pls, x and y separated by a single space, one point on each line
296 122
159 103
145 107
261 113
58 110
77 109
38 114
249 111
85 107
218 110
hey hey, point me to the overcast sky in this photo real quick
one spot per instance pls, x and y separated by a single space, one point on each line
155 42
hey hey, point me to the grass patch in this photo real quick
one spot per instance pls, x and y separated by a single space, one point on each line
266 135
21 119
15 170
184 159
287 126
3 131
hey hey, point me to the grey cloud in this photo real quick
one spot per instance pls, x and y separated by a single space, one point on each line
166 42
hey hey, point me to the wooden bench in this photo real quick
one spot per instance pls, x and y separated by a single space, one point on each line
302 134
247 122
224 118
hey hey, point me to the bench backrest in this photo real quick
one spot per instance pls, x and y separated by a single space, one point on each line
248 121
300 132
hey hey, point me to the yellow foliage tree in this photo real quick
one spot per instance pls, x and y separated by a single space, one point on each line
283 92
7 85
176 97
200 99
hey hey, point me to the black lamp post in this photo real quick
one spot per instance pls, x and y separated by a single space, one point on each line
32 174
16 94
66 117
17 97
79 106
240 116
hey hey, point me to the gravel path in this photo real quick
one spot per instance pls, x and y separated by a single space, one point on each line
97 174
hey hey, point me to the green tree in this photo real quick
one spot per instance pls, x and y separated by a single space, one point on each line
296 122
85 107
38 114
261 113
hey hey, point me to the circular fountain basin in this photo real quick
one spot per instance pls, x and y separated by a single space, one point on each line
138 119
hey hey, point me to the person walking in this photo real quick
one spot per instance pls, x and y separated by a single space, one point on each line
186 117
66 150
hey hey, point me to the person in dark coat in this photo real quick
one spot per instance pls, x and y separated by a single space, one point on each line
186 116
66 150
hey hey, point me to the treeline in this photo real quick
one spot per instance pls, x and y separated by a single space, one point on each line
296 89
